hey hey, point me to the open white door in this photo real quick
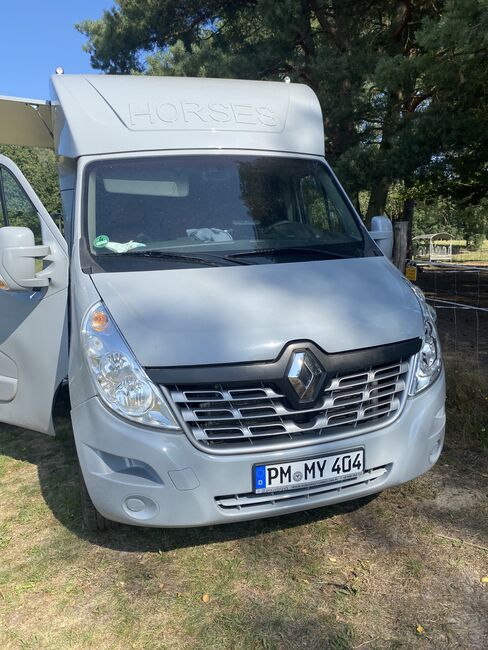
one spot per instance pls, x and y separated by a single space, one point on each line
33 321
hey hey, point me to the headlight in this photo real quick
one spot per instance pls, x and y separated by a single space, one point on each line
428 363
121 382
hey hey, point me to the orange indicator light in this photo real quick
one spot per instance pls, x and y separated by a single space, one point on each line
99 321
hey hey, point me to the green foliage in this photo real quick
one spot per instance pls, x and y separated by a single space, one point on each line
474 224
20 210
454 66
437 213
39 168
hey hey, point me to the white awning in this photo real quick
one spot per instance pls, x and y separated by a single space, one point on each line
26 122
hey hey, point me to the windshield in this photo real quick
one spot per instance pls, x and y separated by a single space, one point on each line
216 209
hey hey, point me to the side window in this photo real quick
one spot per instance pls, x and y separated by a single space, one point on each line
16 206
320 211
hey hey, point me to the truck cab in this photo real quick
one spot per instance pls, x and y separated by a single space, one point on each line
237 345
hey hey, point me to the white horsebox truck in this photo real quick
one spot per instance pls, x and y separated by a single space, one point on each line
236 343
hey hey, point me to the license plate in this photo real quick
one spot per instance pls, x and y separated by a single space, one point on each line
310 471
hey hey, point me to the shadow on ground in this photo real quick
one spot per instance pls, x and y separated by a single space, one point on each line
57 468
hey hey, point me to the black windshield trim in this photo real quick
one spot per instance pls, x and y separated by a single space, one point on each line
289 249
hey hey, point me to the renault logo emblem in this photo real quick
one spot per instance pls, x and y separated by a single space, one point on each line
305 374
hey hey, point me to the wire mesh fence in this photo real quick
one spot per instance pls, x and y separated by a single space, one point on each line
459 294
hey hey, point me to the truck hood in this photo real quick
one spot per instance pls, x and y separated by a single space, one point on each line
236 314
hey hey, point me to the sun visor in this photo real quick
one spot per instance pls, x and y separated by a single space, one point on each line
176 187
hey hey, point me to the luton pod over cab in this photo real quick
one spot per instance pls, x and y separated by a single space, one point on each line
237 345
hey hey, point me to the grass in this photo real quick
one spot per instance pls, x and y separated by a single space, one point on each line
480 255
467 393
466 256
402 570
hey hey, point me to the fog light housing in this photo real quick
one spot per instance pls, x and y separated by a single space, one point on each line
140 507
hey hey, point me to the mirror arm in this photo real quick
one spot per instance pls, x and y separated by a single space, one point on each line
382 233
29 251
41 279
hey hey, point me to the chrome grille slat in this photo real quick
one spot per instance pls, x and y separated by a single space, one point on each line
258 416
335 400
188 396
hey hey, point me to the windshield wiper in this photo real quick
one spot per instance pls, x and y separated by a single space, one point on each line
290 249
206 260
177 257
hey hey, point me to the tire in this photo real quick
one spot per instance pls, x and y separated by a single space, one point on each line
92 519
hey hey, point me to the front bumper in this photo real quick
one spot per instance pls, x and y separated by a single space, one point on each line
143 477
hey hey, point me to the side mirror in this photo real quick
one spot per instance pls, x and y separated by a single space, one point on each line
382 232
18 254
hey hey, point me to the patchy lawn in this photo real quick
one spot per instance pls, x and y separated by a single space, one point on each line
402 570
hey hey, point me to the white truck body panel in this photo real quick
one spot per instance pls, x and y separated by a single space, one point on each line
98 114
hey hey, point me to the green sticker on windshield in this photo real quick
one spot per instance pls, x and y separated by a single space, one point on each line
101 241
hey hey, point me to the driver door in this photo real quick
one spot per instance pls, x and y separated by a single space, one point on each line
33 321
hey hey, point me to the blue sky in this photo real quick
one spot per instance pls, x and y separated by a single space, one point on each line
38 35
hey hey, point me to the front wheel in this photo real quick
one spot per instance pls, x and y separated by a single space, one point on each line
92 519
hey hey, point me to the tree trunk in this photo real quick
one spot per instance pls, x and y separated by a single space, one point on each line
354 196
379 191
377 199
401 15
334 19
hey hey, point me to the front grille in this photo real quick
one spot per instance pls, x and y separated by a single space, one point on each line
238 418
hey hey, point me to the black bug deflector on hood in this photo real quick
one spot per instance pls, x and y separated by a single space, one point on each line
245 314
